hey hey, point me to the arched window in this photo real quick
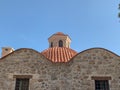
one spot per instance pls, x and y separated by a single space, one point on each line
51 45
60 43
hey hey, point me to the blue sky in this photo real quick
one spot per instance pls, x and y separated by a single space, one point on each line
89 23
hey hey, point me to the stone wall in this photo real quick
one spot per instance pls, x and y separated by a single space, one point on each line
95 63
46 75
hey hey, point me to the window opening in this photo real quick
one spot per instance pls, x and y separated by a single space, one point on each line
51 45
101 85
22 84
60 43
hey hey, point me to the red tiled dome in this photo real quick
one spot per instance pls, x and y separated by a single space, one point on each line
59 33
59 54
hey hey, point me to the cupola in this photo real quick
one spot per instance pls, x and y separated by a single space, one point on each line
59 40
59 48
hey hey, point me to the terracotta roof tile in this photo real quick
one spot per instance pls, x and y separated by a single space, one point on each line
59 33
59 54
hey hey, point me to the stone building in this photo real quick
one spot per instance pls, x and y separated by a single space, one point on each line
59 68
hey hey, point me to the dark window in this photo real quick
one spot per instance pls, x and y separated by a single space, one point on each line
60 43
51 44
101 85
22 84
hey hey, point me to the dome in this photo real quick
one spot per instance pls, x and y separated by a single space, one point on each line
59 33
59 54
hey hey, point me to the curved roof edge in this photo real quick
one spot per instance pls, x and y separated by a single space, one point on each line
23 49
61 62
95 48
